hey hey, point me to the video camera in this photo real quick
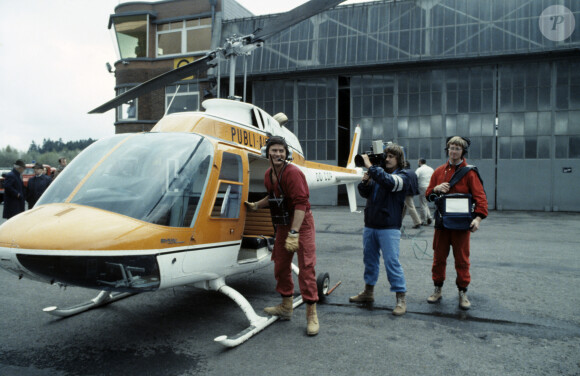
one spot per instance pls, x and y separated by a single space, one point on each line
376 155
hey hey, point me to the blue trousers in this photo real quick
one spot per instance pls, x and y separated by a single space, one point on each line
387 240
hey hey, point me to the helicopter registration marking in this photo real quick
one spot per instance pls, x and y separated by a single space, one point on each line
247 138
324 176
170 241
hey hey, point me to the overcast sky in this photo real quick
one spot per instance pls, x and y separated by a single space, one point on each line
52 67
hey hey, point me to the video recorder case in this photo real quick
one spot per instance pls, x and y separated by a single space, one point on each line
278 210
454 211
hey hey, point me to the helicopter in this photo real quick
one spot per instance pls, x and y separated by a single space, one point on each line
141 212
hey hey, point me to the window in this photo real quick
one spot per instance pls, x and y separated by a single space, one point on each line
158 178
228 200
181 98
127 111
183 37
131 34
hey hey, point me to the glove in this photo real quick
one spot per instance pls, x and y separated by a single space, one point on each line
292 242
251 206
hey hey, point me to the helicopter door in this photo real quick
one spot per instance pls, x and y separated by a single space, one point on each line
228 200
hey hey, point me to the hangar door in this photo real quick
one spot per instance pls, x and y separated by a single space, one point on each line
539 136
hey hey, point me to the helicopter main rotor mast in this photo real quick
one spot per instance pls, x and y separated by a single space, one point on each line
234 46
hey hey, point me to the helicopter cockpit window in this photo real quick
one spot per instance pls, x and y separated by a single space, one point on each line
72 175
155 177
228 199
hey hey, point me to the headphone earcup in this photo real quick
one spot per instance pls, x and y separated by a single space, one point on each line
264 151
288 154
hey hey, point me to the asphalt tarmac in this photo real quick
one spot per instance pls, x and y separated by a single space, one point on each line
524 320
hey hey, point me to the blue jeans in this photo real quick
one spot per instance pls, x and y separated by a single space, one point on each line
387 240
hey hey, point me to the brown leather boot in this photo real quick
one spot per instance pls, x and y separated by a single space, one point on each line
312 326
283 310
366 296
401 307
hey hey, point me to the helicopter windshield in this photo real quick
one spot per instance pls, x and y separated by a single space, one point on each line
154 177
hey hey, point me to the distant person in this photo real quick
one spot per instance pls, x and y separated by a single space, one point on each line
444 239
37 185
412 190
61 165
14 191
424 174
385 188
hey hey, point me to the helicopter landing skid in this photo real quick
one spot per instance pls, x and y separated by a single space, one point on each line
103 298
257 322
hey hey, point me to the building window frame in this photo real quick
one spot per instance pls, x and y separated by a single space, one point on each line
183 28
177 94
128 111
125 47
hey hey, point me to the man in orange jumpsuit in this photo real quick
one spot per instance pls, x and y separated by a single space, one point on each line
443 238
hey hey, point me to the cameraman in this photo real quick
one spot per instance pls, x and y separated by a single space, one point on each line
385 189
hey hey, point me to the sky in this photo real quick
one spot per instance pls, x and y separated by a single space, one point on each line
53 57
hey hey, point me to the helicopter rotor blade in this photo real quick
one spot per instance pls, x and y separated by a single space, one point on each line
293 16
193 68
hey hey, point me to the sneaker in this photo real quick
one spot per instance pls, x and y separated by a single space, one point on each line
429 221
436 296
417 226
464 303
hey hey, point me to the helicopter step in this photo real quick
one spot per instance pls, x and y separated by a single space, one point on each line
104 297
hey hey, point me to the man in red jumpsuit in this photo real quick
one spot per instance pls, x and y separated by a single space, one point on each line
283 179
443 238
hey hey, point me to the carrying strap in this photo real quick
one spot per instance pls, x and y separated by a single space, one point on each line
461 172
278 180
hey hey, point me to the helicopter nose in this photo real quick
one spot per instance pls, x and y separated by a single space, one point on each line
75 227
82 246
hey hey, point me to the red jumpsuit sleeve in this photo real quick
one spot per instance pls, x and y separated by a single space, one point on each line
297 189
437 175
476 189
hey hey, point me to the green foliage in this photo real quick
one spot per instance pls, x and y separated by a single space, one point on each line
47 153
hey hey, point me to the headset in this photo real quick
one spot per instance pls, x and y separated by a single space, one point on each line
465 150
276 140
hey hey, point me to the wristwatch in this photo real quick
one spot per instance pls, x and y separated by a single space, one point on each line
293 232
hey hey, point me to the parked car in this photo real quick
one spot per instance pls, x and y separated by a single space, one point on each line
27 174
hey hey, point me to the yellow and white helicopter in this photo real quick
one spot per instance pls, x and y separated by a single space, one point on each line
142 212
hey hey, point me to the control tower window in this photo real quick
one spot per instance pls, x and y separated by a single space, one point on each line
131 32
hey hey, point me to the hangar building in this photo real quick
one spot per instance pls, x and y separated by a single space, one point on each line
505 73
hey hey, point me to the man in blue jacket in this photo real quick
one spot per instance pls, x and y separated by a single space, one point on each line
385 189
14 191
